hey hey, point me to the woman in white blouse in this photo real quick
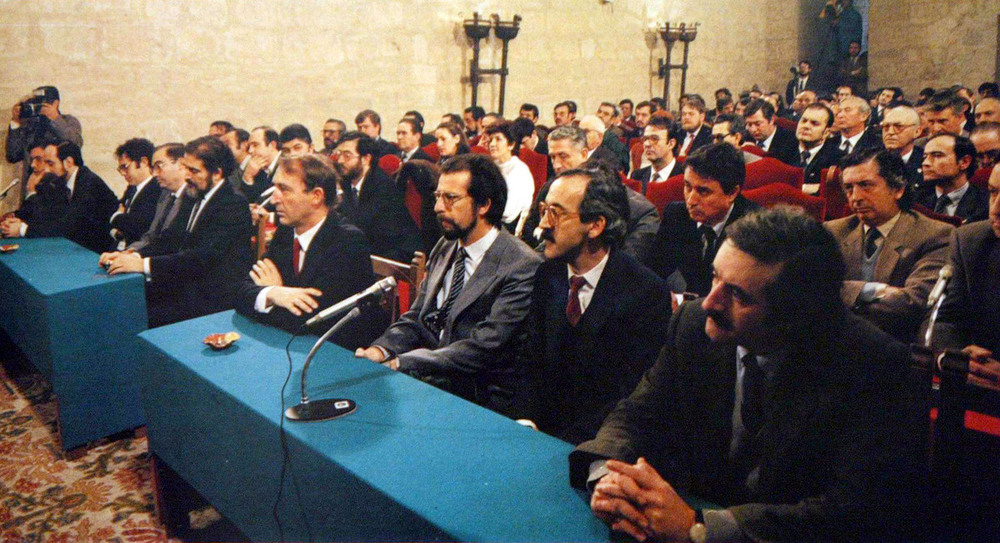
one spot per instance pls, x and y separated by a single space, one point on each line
503 146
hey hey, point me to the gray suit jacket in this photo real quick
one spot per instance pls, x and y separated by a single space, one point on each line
970 314
474 357
163 218
912 254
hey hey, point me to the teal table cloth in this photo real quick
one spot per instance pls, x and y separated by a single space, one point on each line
78 326
413 463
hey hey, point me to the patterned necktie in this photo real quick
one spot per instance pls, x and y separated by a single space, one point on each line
573 309
297 256
871 243
457 282
941 206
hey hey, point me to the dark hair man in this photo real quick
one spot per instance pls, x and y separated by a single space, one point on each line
659 143
138 204
468 316
295 140
371 202
316 258
473 116
218 128
801 82
892 254
41 121
591 303
530 112
333 129
691 231
697 134
732 129
369 123
816 151
564 113
173 204
408 134
774 140
76 206
787 426
215 252
945 113
238 141
264 147
949 162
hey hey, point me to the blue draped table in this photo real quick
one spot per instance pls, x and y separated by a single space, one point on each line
412 463
78 327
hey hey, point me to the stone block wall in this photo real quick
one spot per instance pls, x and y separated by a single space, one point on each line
164 69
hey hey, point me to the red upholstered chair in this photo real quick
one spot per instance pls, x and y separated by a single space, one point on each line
836 200
753 149
631 183
780 193
635 153
956 221
390 164
787 124
480 150
771 170
432 151
981 178
412 200
661 194
537 163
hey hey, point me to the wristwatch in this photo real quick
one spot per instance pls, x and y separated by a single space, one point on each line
697 532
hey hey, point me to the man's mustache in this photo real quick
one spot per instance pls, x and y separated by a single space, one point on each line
547 235
721 320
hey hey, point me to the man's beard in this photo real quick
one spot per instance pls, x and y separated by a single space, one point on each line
193 191
348 176
455 231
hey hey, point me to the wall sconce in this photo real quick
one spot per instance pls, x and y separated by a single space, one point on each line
671 34
477 29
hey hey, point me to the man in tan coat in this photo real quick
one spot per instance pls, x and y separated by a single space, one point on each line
893 255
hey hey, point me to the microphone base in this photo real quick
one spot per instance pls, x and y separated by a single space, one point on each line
320 410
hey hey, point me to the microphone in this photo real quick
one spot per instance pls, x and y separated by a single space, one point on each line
3 194
944 276
370 294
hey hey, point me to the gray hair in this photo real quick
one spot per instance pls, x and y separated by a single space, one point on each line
576 136
862 104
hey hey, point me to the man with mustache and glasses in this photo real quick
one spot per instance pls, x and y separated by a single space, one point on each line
893 255
767 401
461 332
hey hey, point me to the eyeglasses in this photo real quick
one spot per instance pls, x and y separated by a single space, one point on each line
719 137
122 168
554 214
346 155
448 198
895 127
160 164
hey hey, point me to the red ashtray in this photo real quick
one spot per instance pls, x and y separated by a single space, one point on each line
221 341
9 248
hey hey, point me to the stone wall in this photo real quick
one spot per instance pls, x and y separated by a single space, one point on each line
930 43
164 69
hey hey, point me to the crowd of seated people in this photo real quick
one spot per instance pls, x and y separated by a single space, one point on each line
611 280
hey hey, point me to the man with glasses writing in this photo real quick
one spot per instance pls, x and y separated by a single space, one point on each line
460 331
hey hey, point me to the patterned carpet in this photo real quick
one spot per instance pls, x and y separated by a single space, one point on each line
103 496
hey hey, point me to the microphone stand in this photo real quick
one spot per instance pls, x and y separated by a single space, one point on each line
320 410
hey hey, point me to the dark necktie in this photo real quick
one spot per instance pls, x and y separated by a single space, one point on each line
457 282
161 220
129 196
871 242
297 256
194 215
805 158
573 309
941 206
708 242
752 408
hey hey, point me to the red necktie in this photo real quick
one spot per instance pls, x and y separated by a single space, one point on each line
687 147
296 256
573 309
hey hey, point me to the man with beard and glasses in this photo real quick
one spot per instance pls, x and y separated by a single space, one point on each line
371 202
215 253
592 303
461 332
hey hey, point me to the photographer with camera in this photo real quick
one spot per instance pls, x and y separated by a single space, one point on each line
36 118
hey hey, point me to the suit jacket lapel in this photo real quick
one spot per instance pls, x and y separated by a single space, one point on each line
605 295
435 278
851 249
317 246
486 274
889 255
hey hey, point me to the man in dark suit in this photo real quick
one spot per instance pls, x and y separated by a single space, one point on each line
900 128
790 429
50 126
949 162
851 119
691 231
802 82
238 141
259 172
659 141
33 177
315 260
215 253
369 123
90 203
463 328
591 304
969 318
893 255
696 133
371 202
294 140
408 136
138 204
816 151
774 140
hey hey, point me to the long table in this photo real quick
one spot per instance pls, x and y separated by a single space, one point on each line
78 326
412 463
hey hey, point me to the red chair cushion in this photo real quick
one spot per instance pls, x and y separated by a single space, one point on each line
390 164
981 178
661 194
412 201
537 163
956 221
780 193
787 124
432 151
771 170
